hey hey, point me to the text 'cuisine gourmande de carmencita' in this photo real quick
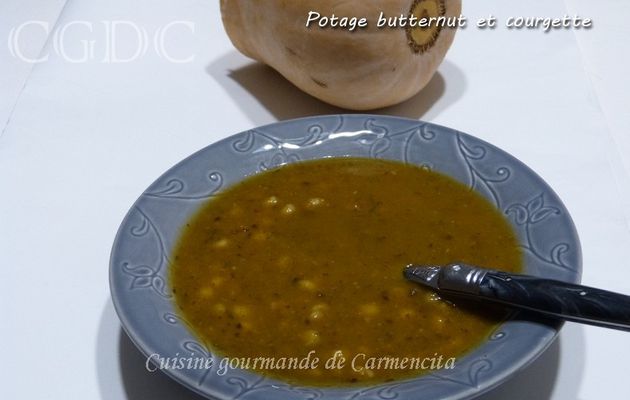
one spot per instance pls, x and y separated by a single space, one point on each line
411 21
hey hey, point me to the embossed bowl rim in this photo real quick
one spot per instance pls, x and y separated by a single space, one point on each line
515 344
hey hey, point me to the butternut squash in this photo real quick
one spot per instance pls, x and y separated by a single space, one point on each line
359 69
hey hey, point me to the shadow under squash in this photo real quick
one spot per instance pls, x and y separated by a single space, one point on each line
259 91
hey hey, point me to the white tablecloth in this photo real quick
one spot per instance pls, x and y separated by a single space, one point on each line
80 141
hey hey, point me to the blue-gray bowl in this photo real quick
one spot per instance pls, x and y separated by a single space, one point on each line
140 254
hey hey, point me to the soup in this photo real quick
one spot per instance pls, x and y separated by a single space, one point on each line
305 261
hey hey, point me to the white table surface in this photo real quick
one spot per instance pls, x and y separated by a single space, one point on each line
80 141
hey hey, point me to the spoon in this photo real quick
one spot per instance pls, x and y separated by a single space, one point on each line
552 298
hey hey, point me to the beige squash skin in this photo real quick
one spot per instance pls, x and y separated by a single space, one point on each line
361 70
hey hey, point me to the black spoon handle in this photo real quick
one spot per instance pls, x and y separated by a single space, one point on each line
550 297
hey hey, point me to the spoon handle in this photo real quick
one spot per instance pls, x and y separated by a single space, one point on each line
553 298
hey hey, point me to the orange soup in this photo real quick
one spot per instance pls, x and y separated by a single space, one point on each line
306 261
